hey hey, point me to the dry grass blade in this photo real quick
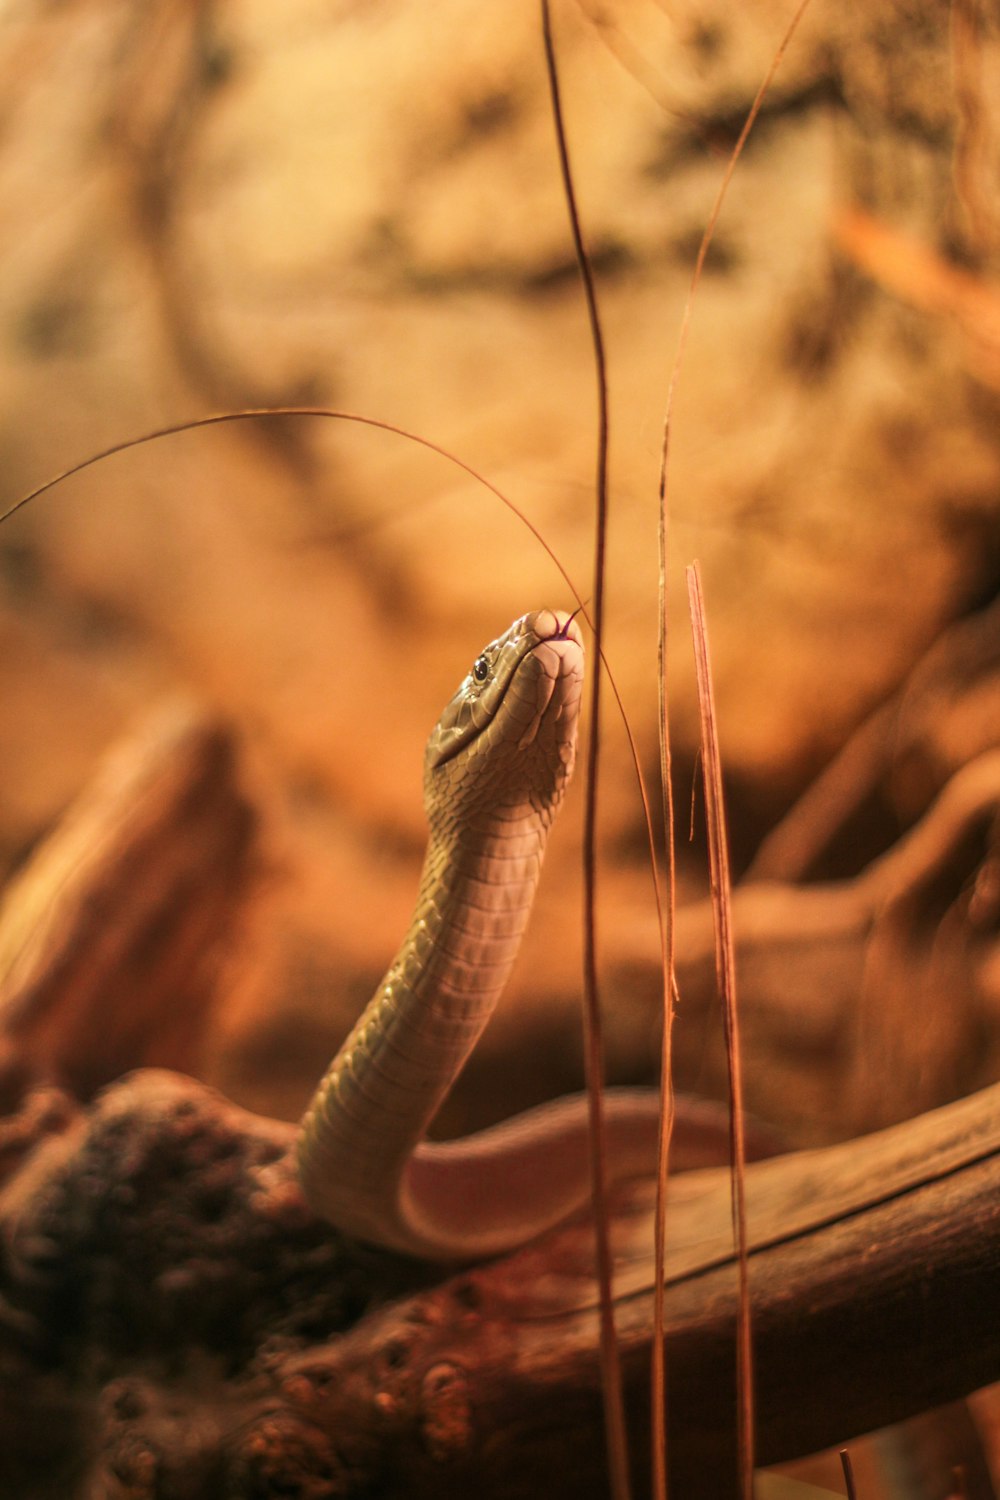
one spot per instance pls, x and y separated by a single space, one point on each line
263 413
848 1468
611 1378
708 236
658 1374
725 966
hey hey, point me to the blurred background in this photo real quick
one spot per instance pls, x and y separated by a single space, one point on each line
207 206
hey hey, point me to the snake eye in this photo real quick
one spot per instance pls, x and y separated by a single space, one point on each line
480 669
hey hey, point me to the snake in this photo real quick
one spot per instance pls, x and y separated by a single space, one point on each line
496 768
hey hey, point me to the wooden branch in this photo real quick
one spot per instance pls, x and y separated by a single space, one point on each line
110 934
841 983
208 1331
940 718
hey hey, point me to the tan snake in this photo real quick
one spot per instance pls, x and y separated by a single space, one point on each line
495 771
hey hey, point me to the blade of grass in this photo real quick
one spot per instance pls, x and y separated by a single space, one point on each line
658 1372
611 1380
258 413
217 419
848 1468
725 970
709 234
658 1379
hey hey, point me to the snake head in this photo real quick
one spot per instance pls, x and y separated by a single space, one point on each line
508 736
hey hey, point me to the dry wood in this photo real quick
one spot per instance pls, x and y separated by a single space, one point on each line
941 717
158 1257
110 934
844 1026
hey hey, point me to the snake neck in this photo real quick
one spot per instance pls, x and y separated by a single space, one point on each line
495 769
475 894
390 1076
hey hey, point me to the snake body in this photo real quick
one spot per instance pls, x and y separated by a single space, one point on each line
496 768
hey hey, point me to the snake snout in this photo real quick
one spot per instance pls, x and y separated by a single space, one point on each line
558 680
556 625
506 697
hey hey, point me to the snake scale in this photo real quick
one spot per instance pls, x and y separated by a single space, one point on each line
496 768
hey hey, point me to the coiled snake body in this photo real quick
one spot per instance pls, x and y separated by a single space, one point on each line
496 768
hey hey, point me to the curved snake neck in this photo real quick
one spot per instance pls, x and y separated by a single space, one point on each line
496 768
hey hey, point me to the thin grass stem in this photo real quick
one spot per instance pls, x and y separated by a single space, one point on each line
725 969
611 1380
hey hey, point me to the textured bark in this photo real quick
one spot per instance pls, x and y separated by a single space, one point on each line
110 934
166 1289
841 982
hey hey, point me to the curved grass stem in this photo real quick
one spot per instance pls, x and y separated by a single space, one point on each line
725 970
611 1380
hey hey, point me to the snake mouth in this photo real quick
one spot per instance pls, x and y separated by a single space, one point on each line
557 683
551 637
